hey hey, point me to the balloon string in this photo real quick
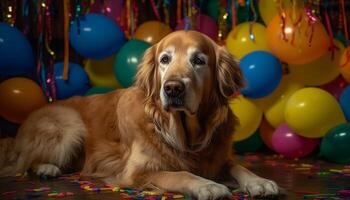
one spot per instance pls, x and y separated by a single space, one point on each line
330 32
155 10
66 40
347 53
252 7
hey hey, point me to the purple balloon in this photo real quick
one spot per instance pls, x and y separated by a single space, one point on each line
290 144
335 87
204 24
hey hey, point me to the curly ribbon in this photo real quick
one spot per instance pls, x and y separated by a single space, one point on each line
332 47
155 10
222 20
178 11
25 14
282 14
312 19
166 5
234 14
252 7
128 14
66 40
345 24
9 11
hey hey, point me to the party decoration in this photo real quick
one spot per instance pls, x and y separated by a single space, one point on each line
266 131
203 24
251 144
311 112
152 31
19 97
96 36
111 8
246 38
335 145
344 101
77 84
262 73
345 65
249 116
297 39
127 60
12 45
98 90
321 71
269 8
101 73
290 144
274 114
335 87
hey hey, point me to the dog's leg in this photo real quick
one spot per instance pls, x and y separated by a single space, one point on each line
49 140
253 184
190 184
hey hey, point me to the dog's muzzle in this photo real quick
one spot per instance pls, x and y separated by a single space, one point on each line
174 91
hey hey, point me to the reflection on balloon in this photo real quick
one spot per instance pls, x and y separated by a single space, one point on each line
262 73
335 145
249 117
296 47
97 36
251 144
311 112
12 45
100 72
204 24
239 42
321 71
290 144
127 60
152 31
19 97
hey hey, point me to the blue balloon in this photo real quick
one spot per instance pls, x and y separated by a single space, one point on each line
96 37
77 83
344 101
16 55
262 73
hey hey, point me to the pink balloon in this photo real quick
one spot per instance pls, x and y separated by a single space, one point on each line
290 144
110 8
335 87
204 24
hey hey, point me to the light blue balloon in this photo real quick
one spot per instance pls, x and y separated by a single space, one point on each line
77 83
16 54
99 36
344 101
262 73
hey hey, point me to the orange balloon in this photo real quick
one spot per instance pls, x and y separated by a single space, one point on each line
152 31
300 41
19 97
345 65
266 131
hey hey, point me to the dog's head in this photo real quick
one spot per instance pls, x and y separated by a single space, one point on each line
187 69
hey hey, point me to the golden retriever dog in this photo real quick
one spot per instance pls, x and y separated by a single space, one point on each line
172 130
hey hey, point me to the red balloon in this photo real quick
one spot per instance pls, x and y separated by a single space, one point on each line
335 87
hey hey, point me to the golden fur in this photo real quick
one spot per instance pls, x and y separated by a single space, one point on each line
127 138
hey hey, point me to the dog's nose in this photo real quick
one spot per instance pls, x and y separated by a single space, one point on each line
174 88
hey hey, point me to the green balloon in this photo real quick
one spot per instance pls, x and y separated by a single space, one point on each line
335 145
127 60
98 90
251 144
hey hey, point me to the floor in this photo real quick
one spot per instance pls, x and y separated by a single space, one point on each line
302 179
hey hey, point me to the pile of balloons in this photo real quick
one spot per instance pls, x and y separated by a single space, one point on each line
297 93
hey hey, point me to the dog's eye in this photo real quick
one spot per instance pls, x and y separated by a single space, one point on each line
165 59
196 60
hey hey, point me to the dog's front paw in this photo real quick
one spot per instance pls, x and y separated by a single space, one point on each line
47 170
260 187
211 190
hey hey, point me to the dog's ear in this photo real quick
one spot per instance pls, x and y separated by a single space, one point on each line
147 74
229 75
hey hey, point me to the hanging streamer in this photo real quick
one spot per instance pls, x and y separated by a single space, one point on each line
234 15
179 11
66 40
332 47
345 27
222 21
155 10
8 8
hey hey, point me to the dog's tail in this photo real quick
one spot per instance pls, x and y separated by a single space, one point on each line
8 157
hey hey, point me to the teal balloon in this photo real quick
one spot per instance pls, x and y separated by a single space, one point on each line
251 144
335 145
127 60
98 90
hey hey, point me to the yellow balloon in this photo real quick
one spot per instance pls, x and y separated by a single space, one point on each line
101 73
249 116
239 43
311 112
269 8
320 71
275 113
